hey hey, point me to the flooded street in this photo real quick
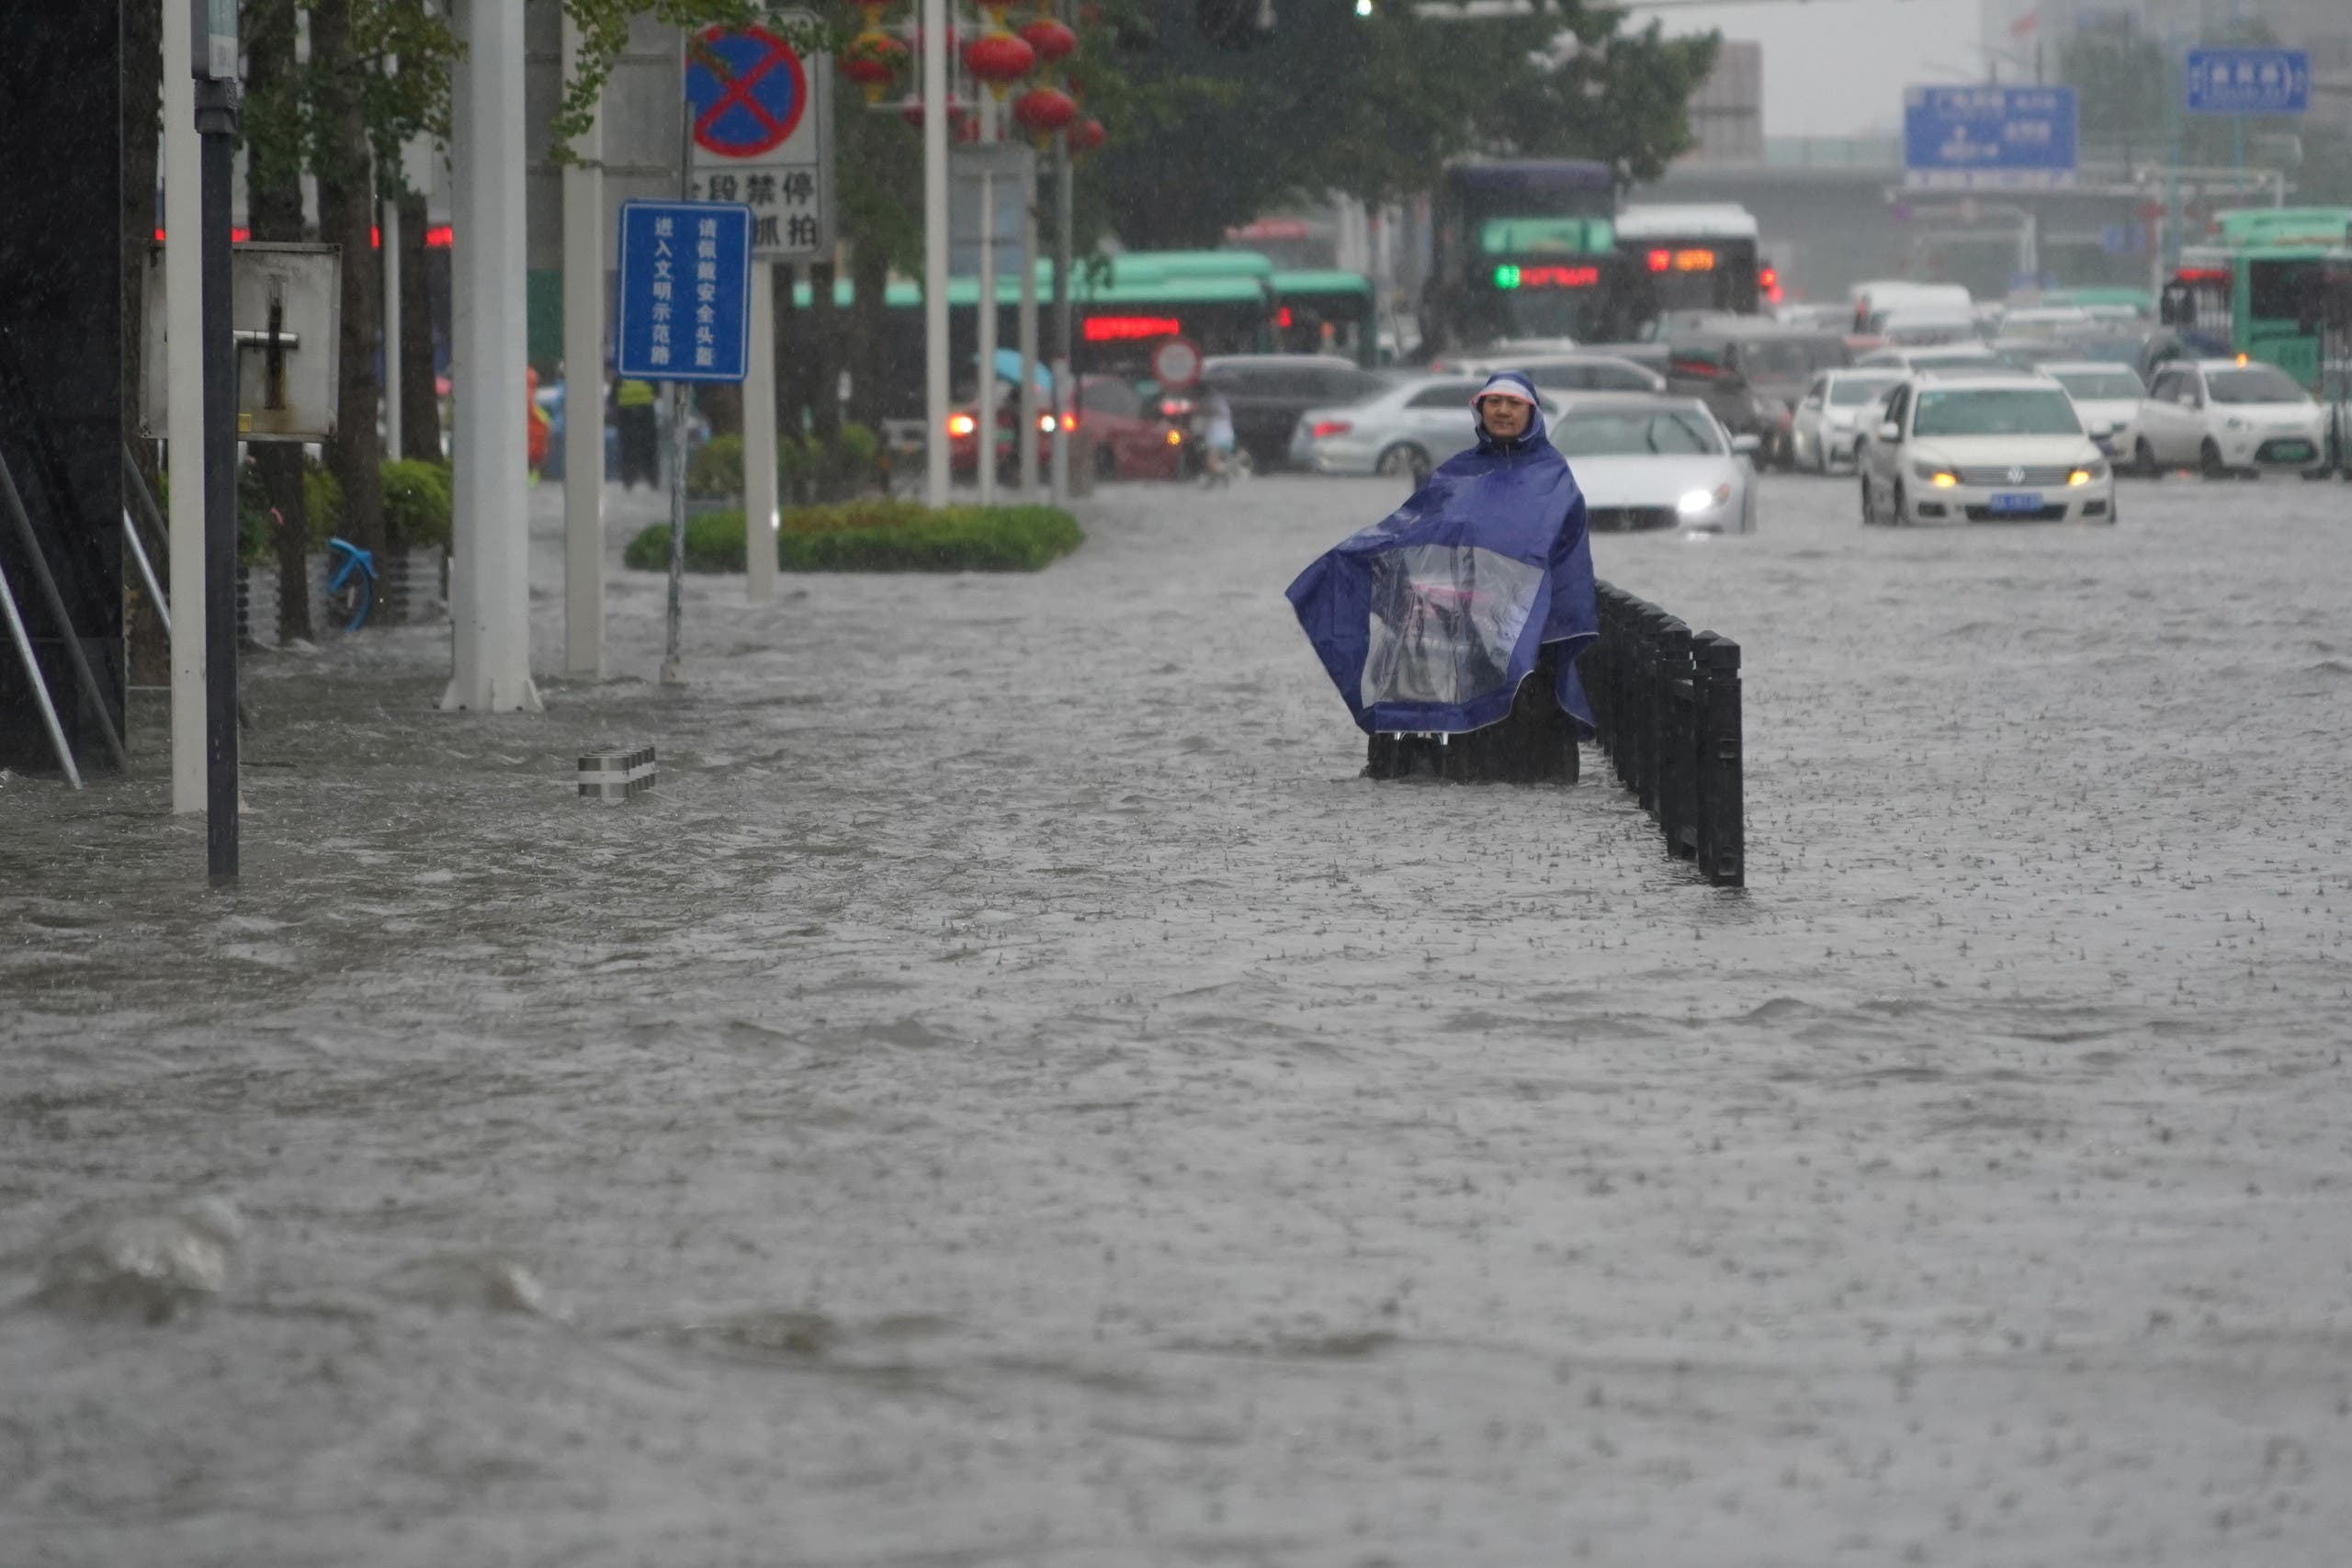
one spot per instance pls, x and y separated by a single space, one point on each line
1013 1095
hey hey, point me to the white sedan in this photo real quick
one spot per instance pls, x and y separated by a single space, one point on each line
1824 432
1407 429
1983 450
2230 416
1647 462
2108 397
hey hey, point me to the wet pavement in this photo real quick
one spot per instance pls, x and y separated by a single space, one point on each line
1013 1095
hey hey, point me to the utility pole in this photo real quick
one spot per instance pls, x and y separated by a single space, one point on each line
934 250
213 65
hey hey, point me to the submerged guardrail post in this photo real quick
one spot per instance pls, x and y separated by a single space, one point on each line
1723 804
1665 705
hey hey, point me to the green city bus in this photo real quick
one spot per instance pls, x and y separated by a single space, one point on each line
2259 279
1327 312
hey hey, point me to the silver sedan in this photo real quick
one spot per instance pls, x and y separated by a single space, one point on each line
1406 429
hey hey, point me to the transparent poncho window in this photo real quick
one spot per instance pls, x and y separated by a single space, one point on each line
1444 619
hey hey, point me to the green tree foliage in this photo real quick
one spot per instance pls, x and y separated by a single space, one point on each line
1372 107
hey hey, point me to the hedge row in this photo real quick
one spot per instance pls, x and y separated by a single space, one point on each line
875 535
417 508
715 472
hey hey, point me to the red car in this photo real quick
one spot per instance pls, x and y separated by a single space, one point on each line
1112 430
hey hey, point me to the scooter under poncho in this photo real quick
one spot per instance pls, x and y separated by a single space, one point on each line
1429 620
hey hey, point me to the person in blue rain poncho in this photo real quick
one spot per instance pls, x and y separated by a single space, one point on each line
1431 619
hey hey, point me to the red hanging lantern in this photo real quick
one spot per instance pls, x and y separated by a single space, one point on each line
1087 135
999 60
873 61
1051 40
1044 111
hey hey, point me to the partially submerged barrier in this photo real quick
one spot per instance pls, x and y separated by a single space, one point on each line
1666 700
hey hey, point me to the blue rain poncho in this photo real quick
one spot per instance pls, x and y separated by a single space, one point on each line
1429 620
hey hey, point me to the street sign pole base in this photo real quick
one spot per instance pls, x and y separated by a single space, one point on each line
673 673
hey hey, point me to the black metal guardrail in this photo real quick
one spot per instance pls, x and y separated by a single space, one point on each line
1666 700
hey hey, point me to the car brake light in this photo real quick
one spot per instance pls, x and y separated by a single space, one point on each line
961 425
1069 421
1324 429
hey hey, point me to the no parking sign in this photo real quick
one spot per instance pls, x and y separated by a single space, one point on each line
762 131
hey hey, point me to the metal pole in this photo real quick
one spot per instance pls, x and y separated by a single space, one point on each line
182 279
1065 393
1028 330
673 667
388 241
216 123
934 250
40 687
83 676
584 390
490 567
759 441
984 439
147 573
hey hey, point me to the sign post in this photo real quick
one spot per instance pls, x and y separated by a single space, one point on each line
684 311
1989 138
213 63
761 116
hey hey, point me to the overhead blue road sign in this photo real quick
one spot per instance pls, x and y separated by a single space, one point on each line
685 283
1988 137
2248 81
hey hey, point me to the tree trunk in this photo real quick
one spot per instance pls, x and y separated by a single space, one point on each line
420 405
347 218
274 209
869 271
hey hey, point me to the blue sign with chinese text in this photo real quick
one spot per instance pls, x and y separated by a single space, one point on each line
1988 137
2248 81
685 285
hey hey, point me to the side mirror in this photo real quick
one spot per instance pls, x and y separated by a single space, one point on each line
1747 446
1890 430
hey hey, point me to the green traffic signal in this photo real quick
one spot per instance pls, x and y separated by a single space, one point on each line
1506 276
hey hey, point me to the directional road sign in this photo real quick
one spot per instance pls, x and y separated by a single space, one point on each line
1988 137
763 129
685 273
2248 81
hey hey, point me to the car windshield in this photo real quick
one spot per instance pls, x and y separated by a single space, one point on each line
1941 361
2113 385
1848 391
1634 433
2005 411
2254 384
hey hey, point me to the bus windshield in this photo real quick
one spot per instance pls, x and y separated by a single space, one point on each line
2002 411
2254 384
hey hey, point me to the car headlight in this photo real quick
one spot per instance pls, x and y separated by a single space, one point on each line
2087 473
1694 501
2233 422
1935 474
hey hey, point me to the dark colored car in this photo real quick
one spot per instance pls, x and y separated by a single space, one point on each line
1113 431
1267 393
1752 374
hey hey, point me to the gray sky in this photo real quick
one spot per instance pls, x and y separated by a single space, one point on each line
1838 67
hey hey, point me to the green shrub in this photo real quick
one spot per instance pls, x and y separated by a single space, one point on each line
875 533
418 505
716 469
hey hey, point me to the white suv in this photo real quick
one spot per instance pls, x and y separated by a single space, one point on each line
1984 449
2229 416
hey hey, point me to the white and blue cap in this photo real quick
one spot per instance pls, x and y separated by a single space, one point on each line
1507 384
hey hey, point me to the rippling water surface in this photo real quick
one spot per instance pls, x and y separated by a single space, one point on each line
1014 1096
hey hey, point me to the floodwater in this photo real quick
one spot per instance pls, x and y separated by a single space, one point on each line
1014 1095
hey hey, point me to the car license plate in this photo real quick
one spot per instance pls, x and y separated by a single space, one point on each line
2016 501
2290 451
